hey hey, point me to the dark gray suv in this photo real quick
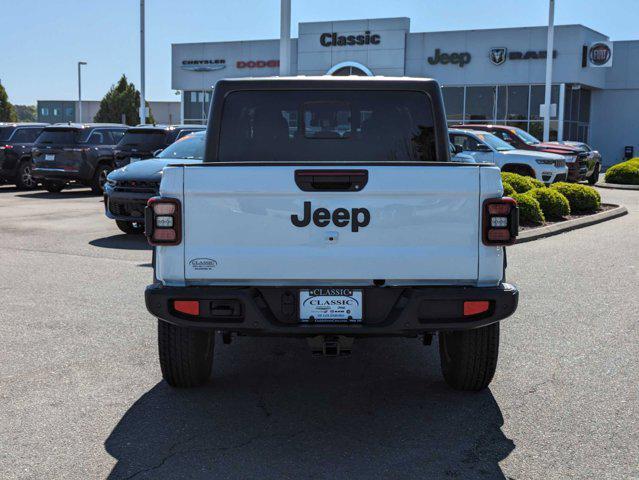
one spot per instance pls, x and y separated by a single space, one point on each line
76 153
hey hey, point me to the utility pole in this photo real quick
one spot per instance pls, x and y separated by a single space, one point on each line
285 38
80 91
142 100
549 59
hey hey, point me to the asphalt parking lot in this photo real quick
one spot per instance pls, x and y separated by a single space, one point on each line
81 396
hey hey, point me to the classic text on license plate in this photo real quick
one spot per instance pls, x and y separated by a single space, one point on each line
331 305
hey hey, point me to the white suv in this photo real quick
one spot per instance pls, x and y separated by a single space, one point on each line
485 147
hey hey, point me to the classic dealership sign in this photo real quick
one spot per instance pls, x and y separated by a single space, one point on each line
203 65
459 59
600 54
334 40
498 55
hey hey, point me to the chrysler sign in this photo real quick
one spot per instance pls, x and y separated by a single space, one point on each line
203 65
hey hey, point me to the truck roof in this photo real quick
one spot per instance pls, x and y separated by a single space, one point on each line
328 80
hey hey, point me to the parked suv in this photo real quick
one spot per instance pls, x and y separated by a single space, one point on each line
522 140
144 141
485 147
73 152
129 188
16 141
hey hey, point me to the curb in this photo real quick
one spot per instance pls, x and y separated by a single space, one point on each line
617 186
550 230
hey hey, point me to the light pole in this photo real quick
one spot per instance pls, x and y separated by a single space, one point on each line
142 101
549 55
285 38
80 90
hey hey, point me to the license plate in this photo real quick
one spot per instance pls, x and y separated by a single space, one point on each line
49 157
135 159
331 305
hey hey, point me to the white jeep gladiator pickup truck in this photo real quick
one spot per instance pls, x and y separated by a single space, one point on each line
328 209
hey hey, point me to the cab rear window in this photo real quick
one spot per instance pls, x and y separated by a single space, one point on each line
317 126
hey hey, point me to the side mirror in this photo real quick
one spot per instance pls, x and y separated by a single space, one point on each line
457 148
482 148
157 152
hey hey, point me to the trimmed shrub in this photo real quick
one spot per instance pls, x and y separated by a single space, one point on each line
625 173
508 190
582 199
553 204
536 183
529 209
519 183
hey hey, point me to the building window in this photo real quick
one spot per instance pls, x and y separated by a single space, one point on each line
69 111
55 112
480 103
577 113
44 111
538 98
454 102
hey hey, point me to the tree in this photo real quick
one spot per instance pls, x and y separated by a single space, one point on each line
7 111
26 113
122 98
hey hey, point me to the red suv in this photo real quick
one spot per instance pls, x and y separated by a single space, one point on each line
521 139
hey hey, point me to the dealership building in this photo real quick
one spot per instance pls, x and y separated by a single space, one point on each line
487 76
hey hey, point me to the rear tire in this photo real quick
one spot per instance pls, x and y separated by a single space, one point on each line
130 228
469 357
594 178
25 180
186 354
99 178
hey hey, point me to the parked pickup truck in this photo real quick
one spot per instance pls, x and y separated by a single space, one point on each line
328 208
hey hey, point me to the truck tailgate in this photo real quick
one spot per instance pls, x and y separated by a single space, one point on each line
422 225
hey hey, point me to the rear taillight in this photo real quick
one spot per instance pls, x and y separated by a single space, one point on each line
500 221
163 221
6 147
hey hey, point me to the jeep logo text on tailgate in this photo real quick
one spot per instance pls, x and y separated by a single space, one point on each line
357 217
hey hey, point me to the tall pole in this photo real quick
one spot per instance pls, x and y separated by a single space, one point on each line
549 59
80 90
285 38
142 101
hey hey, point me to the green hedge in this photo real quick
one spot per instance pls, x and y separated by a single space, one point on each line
508 190
519 183
624 173
529 209
582 199
553 204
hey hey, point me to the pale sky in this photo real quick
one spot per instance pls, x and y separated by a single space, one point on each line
42 40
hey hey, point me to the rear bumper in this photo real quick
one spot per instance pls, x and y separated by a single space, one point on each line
59 174
388 311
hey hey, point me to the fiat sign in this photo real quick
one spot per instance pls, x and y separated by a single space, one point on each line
600 54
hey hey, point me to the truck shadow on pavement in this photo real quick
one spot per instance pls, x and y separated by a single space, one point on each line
273 411
122 242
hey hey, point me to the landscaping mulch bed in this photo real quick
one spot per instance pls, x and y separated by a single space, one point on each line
604 207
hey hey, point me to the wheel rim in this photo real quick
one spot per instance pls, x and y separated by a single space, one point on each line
103 177
27 179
